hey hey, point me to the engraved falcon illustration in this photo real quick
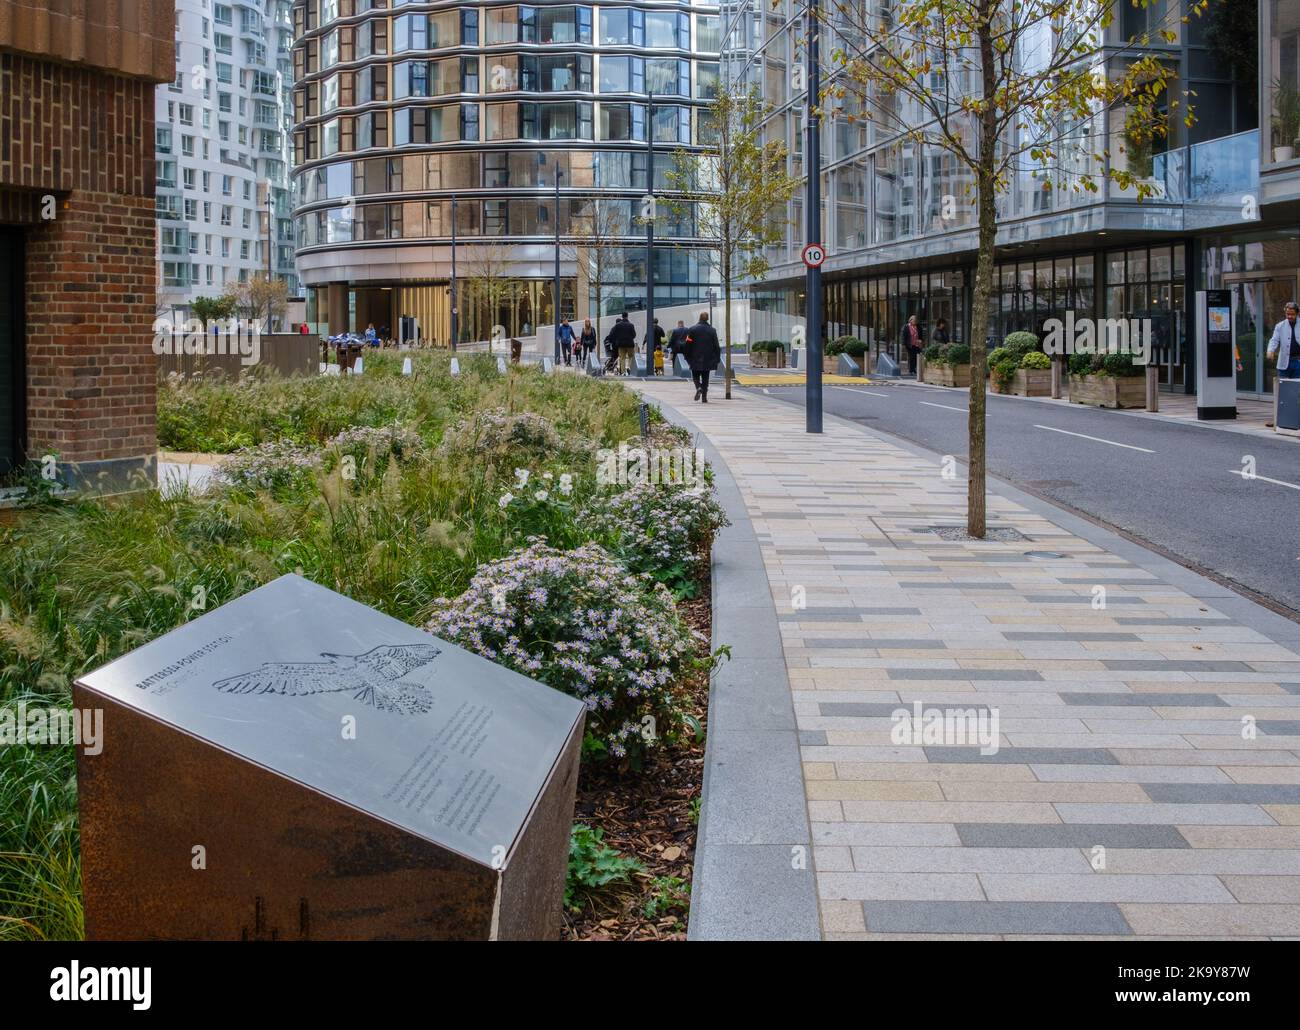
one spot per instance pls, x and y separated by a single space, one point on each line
374 677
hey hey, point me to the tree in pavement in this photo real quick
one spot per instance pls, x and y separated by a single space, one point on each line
1000 93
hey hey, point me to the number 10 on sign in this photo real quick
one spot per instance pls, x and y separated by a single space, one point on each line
813 255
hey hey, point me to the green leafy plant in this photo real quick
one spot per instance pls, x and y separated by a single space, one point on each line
1019 344
1004 371
834 348
1121 366
956 354
1081 365
593 864
1286 113
1036 359
667 893
997 354
932 352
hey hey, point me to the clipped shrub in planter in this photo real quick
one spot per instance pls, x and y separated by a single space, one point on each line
767 354
1020 343
580 622
831 355
1107 381
1002 372
1030 376
949 367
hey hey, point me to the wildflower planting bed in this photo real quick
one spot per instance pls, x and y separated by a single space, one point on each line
469 505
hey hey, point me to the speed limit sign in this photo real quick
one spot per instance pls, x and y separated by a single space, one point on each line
813 255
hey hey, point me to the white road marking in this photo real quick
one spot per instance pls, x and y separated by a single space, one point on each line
1266 479
949 407
1098 439
858 390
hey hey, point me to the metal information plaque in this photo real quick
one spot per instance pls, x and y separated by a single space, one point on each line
351 704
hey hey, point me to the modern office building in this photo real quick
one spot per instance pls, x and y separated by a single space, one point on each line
411 115
223 151
1226 210
77 370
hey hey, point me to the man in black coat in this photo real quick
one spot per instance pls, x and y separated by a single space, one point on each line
623 338
703 354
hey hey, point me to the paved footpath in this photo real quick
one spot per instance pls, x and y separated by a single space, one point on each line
1146 780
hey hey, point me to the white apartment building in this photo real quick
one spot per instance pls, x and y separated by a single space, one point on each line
223 151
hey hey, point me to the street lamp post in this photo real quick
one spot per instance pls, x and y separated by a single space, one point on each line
270 209
650 235
455 314
556 287
813 212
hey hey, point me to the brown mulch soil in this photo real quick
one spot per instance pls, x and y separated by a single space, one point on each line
651 815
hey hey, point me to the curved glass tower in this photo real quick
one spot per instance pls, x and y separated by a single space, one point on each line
409 117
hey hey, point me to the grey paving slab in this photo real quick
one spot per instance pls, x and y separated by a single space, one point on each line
1066 835
1226 793
1167 665
866 643
1149 699
1025 755
884 710
1033 636
1281 727
751 694
1009 675
998 917
747 893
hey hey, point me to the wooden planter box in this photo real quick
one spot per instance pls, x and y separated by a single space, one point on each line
947 375
1027 382
1109 391
767 359
830 365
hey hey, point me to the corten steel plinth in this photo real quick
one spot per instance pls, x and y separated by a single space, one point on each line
297 766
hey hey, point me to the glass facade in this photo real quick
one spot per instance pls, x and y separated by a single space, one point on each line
898 217
402 116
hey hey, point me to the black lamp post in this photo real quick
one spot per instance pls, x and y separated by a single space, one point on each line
650 235
813 213
455 314
556 286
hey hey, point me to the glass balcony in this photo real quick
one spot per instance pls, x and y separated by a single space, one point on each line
1217 181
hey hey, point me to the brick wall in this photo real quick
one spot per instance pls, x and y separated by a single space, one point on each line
85 138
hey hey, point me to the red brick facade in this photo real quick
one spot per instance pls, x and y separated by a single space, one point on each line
84 138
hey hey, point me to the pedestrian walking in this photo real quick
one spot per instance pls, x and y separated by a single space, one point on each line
912 343
623 339
940 334
703 355
565 335
677 342
656 333
587 341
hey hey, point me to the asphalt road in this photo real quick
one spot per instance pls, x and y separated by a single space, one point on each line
1174 486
